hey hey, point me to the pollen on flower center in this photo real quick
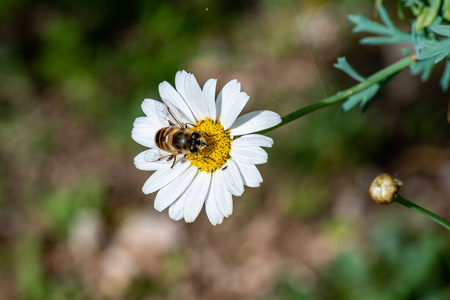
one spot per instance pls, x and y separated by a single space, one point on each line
218 148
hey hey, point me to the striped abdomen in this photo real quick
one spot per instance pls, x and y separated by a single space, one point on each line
173 139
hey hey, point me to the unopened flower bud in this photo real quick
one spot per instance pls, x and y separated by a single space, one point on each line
384 188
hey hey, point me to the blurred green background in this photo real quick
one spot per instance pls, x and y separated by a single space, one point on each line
74 223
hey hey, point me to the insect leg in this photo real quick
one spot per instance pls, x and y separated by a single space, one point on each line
174 157
204 157
175 118
207 134
201 122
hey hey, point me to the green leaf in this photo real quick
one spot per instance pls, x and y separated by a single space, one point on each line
381 40
390 33
437 50
407 52
428 47
423 66
366 100
446 10
441 29
362 97
445 79
415 5
400 13
365 25
440 57
427 15
385 18
344 66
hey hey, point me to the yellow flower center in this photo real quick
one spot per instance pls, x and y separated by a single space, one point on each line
217 151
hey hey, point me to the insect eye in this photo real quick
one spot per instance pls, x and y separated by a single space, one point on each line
193 149
195 135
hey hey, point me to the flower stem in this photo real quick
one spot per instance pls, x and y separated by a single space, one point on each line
423 211
381 75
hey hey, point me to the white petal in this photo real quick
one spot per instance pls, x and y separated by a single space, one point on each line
224 200
233 179
229 91
213 213
232 108
253 140
153 109
176 210
250 175
180 81
164 176
148 160
254 121
248 155
144 131
176 103
209 90
171 192
195 98
227 204
195 196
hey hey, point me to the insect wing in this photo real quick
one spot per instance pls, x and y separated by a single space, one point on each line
156 155
161 113
156 111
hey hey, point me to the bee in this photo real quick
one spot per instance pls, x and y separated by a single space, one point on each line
177 139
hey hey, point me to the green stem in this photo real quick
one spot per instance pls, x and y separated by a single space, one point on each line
375 78
423 211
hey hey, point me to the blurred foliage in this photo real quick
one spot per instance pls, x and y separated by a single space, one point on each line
174 266
396 264
29 273
332 142
62 204
305 199
433 130
103 64
32 282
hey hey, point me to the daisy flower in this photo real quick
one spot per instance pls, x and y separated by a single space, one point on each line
224 163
